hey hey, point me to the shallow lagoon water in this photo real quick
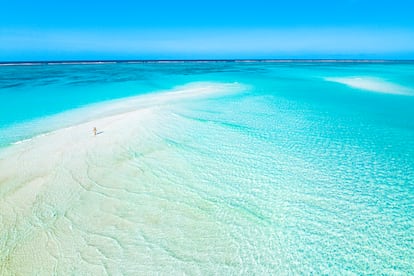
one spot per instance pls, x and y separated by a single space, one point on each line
285 171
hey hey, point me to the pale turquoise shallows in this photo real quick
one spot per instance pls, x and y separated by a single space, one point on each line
309 168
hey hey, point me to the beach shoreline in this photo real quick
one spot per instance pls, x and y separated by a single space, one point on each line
285 175
43 178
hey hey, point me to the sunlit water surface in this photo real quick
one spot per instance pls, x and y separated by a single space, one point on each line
309 169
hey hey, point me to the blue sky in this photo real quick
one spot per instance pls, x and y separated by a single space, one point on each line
160 29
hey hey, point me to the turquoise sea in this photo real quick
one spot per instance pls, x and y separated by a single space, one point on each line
306 169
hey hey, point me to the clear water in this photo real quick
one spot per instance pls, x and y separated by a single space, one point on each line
311 170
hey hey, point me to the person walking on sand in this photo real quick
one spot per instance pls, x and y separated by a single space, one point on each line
94 131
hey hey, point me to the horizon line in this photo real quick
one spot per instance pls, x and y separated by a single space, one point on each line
247 60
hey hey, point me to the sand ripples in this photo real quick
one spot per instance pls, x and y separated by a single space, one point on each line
174 189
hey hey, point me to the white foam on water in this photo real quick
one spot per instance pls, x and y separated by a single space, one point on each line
373 84
22 141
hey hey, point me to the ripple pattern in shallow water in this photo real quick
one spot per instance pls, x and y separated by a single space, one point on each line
252 183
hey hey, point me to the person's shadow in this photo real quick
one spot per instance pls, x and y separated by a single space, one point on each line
99 132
